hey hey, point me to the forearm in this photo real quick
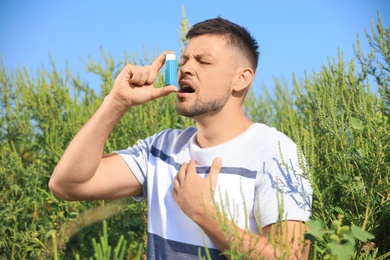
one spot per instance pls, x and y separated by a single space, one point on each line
83 155
228 237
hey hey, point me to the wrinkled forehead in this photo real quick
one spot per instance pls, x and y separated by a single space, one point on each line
207 45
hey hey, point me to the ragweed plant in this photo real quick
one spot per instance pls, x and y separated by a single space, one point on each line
342 129
340 240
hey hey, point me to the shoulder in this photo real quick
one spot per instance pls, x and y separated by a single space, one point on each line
166 138
275 149
173 138
175 134
269 137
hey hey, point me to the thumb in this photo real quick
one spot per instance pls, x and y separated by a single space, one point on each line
214 171
164 91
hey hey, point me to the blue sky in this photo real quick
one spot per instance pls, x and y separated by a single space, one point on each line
294 36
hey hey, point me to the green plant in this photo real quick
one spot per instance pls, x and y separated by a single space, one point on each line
104 251
342 128
340 239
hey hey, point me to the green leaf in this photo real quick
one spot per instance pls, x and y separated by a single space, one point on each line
356 123
361 152
361 234
316 230
348 238
342 251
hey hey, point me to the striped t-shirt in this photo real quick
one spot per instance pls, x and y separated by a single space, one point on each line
260 172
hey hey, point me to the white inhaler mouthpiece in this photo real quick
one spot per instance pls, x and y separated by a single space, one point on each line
171 70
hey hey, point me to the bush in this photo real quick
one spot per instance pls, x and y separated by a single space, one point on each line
343 130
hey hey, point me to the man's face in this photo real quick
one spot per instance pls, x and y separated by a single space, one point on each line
205 76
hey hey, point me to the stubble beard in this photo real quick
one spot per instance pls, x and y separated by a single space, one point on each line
201 107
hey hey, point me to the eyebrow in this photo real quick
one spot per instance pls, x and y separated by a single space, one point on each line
197 56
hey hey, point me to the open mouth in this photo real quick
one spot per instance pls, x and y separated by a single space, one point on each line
186 89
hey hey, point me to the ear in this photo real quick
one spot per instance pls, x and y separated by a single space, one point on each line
244 78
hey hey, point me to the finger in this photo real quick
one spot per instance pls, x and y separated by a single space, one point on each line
181 173
144 76
137 75
174 193
126 73
215 168
159 62
191 168
156 66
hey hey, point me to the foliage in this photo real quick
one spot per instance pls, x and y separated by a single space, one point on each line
339 124
341 238
39 117
343 130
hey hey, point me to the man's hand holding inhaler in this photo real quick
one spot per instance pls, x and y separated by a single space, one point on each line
134 84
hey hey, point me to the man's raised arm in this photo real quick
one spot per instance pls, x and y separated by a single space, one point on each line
84 173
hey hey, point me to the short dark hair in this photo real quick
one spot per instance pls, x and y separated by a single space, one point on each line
237 36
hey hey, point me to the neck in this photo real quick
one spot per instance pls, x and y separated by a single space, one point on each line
220 127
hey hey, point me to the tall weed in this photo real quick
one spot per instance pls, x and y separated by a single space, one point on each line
343 130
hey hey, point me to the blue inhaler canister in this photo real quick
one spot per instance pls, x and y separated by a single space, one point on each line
171 70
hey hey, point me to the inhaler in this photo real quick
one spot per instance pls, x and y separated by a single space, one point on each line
171 70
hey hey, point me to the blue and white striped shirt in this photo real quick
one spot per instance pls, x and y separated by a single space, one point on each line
256 166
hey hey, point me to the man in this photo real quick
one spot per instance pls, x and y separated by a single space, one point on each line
227 184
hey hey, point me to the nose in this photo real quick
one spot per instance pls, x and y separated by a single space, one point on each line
186 69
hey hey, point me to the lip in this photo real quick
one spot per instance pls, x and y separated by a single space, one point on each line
188 83
182 95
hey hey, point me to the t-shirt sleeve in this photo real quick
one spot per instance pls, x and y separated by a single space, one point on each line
282 192
136 157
